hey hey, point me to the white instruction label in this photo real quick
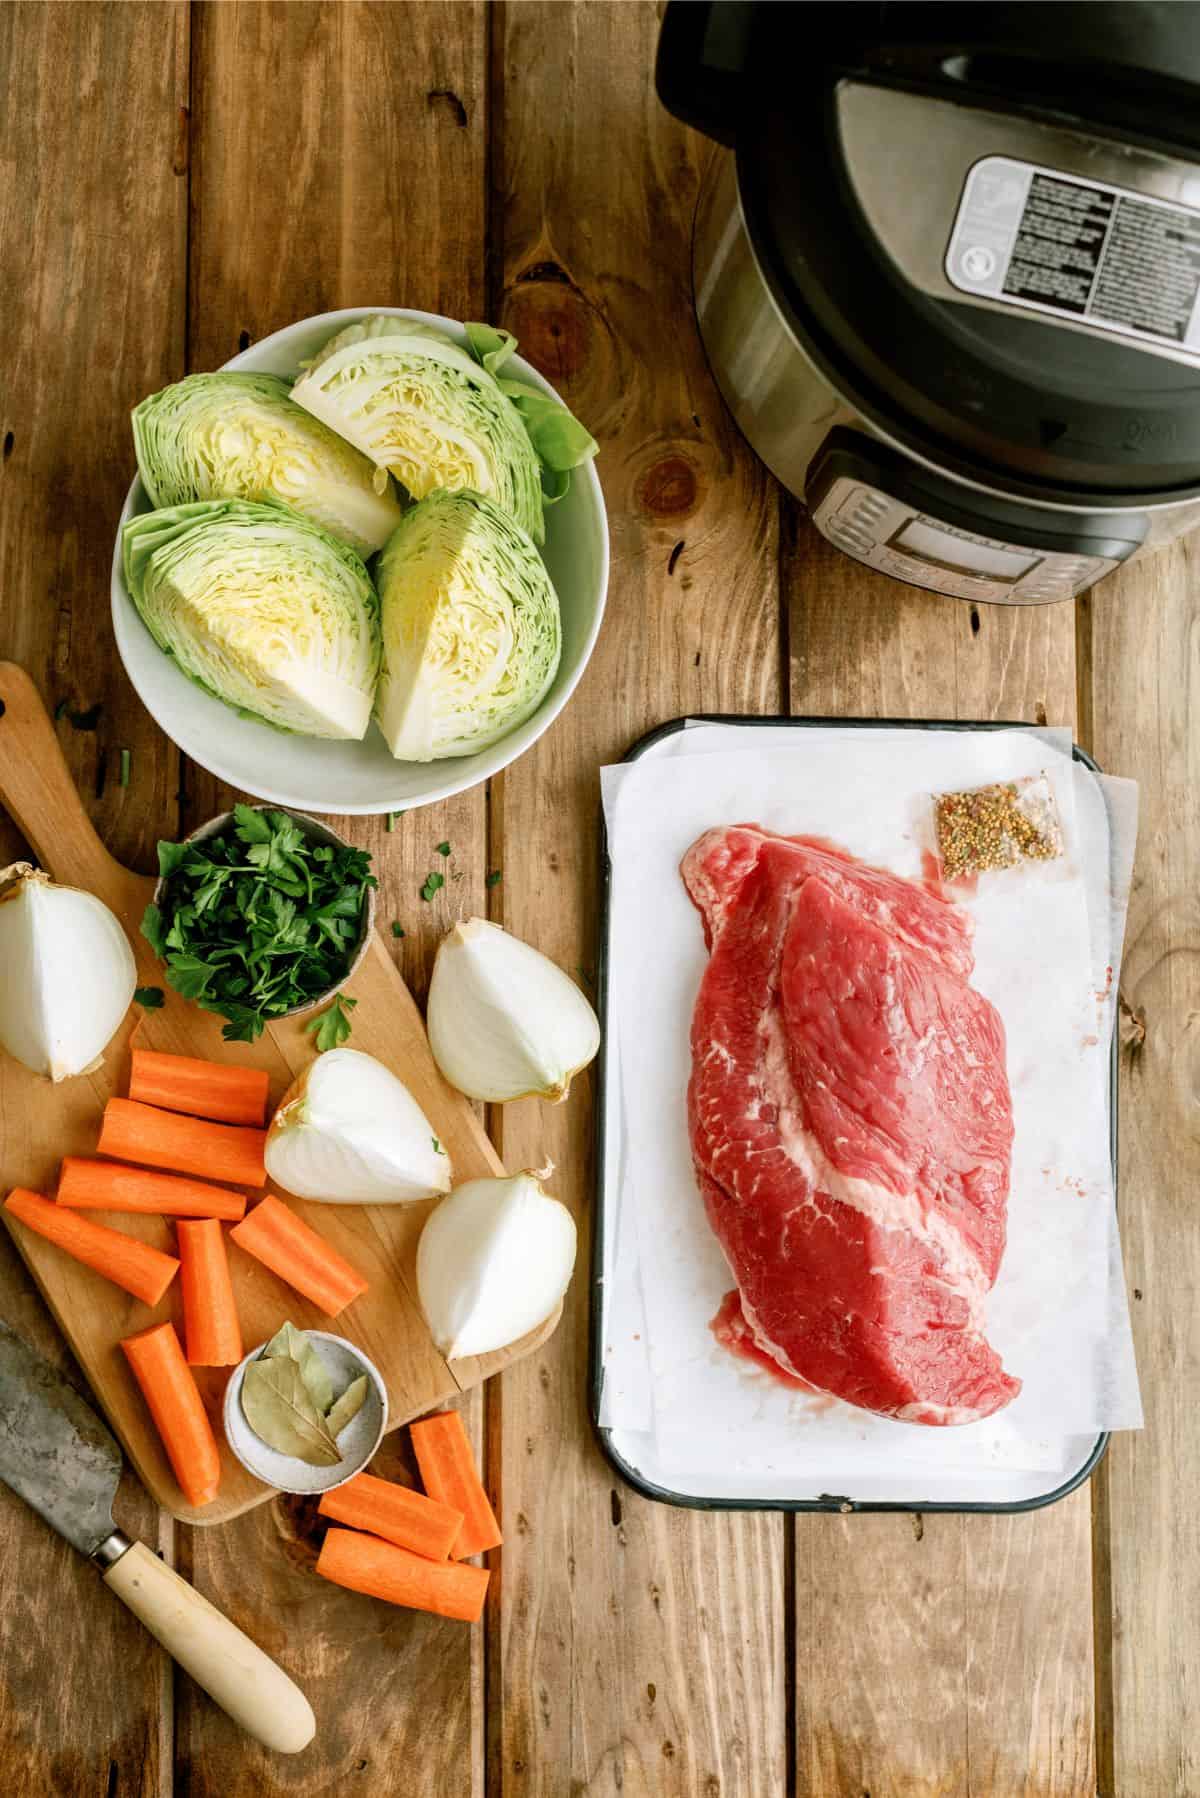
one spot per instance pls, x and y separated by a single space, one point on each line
1038 239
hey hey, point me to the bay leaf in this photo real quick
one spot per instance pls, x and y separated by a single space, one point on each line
348 1405
313 1371
279 1408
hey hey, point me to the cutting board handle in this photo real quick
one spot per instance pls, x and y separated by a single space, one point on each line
232 1669
37 790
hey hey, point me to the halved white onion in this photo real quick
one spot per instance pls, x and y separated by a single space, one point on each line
67 973
504 1022
348 1132
493 1261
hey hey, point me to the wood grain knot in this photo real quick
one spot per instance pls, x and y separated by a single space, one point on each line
1131 1027
300 1527
446 96
553 324
669 488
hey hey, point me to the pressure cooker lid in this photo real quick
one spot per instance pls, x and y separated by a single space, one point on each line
983 223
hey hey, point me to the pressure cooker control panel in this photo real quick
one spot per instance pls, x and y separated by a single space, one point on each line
917 525
926 551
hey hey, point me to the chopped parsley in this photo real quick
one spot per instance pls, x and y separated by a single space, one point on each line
433 884
259 919
150 998
493 879
443 849
397 928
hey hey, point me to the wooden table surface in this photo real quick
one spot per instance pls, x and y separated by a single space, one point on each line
175 183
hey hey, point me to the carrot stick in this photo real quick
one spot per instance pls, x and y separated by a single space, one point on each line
210 1319
134 1265
293 1250
205 1089
449 1474
169 1389
111 1186
396 1513
133 1132
365 1564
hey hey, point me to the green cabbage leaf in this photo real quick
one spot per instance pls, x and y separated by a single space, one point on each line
560 442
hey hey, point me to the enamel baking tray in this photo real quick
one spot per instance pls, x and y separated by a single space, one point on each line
632 1454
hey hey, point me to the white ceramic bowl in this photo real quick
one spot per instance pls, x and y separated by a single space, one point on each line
318 776
358 1441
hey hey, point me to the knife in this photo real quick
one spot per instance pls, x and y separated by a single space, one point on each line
57 1455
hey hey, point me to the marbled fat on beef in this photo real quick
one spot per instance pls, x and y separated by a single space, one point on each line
851 1125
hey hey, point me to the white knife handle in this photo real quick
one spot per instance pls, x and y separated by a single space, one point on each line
243 1680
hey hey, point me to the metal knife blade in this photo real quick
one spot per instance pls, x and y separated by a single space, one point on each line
54 1451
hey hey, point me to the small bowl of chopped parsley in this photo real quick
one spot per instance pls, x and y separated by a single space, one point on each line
261 914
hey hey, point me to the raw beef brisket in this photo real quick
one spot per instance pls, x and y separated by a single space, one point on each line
851 1125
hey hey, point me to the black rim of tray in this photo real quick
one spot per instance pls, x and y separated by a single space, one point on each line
827 1501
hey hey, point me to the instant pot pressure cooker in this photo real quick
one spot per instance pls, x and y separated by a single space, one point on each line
947 274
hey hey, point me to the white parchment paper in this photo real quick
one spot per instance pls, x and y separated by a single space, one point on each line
1046 937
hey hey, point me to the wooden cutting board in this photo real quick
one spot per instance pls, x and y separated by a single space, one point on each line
41 1122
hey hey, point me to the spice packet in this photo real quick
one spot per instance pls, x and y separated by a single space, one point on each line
997 826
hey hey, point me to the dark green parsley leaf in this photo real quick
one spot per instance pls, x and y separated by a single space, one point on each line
245 1023
332 1027
170 856
433 884
397 928
251 826
152 929
189 975
443 849
493 879
150 998
288 837
209 892
176 937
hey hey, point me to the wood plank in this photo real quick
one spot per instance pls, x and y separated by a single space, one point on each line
93 211
1145 693
956 1653
92 308
339 159
641 1648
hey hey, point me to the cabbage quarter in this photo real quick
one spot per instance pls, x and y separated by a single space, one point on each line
261 607
409 398
240 436
471 630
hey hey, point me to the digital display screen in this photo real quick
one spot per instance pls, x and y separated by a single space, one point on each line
932 545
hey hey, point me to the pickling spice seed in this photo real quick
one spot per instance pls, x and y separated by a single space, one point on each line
996 827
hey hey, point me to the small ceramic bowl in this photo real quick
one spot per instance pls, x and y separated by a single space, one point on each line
311 772
316 832
358 1441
